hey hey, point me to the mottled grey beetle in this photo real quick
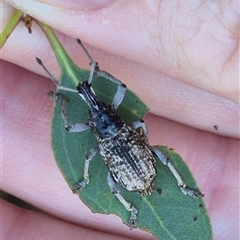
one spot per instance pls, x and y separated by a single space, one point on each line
129 158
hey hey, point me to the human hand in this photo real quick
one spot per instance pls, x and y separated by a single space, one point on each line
159 55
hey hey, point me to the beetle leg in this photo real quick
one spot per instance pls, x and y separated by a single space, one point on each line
127 205
95 69
86 179
117 100
77 127
181 183
141 124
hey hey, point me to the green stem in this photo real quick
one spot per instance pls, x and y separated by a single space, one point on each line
13 22
65 62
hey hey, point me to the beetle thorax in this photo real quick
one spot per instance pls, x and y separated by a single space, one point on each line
106 124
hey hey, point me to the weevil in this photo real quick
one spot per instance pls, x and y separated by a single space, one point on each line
125 150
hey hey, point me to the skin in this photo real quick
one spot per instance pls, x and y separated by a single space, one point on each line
181 59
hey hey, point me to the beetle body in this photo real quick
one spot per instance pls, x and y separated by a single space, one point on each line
124 150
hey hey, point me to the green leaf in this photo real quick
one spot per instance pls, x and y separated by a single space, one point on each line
167 213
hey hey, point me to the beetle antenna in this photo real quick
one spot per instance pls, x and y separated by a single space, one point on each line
39 61
93 64
85 50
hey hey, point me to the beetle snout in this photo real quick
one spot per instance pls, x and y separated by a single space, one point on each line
82 85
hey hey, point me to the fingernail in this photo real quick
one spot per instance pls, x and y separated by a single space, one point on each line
81 4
